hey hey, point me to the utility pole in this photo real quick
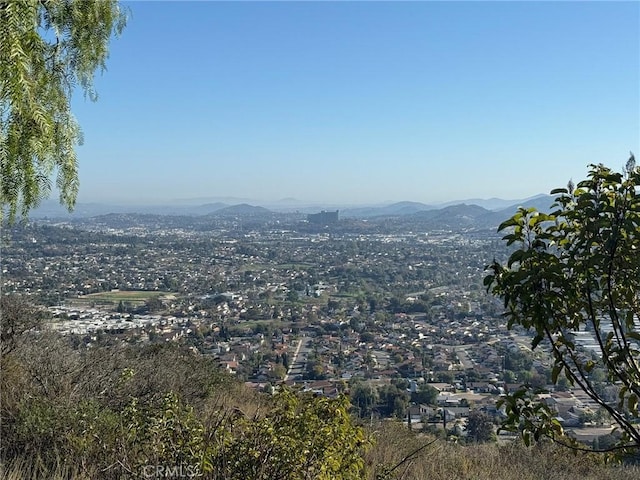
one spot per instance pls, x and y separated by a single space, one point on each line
444 421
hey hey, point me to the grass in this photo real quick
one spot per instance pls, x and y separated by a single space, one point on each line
439 461
134 297
116 296
294 266
23 468
124 295
255 267
448 461
79 428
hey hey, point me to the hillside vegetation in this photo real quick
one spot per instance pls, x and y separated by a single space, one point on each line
161 411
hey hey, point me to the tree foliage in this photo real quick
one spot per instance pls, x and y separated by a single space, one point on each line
479 427
18 316
302 437
578 269
47 47
123 411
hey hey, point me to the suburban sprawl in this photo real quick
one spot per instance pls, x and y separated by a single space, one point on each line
389 310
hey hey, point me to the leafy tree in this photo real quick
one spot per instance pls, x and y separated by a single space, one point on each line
278 372
367 337
517 361
154 304
116 410
314 370
302 437
363 398
479 427
392 401
426 394
18 317
165 433
578 268
46 48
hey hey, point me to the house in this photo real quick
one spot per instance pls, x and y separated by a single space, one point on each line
482 387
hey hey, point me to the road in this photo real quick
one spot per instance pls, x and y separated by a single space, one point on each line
298 362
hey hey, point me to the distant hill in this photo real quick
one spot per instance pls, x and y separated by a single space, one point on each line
465 216
242 209
461 210
488 203
452 217
208 208
399 208
498 204
401 216
539 202
490 214
52 209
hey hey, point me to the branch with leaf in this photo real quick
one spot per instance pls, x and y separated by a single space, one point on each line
578 269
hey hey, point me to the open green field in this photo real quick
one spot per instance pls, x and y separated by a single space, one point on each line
294 266
114 297
255 267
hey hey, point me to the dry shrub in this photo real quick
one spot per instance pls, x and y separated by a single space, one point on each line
23 468
449 461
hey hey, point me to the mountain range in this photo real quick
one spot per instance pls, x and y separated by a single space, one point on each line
407 215
51 209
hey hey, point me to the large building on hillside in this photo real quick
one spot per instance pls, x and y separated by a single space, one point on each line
323 218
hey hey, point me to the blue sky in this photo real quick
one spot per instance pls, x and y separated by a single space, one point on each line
362 102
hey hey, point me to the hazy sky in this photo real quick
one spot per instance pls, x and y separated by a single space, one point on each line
361 102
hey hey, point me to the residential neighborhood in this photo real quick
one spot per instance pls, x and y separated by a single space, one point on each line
399 321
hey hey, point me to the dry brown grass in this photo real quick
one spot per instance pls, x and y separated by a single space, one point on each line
53 375
23 468
439 461
447 461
